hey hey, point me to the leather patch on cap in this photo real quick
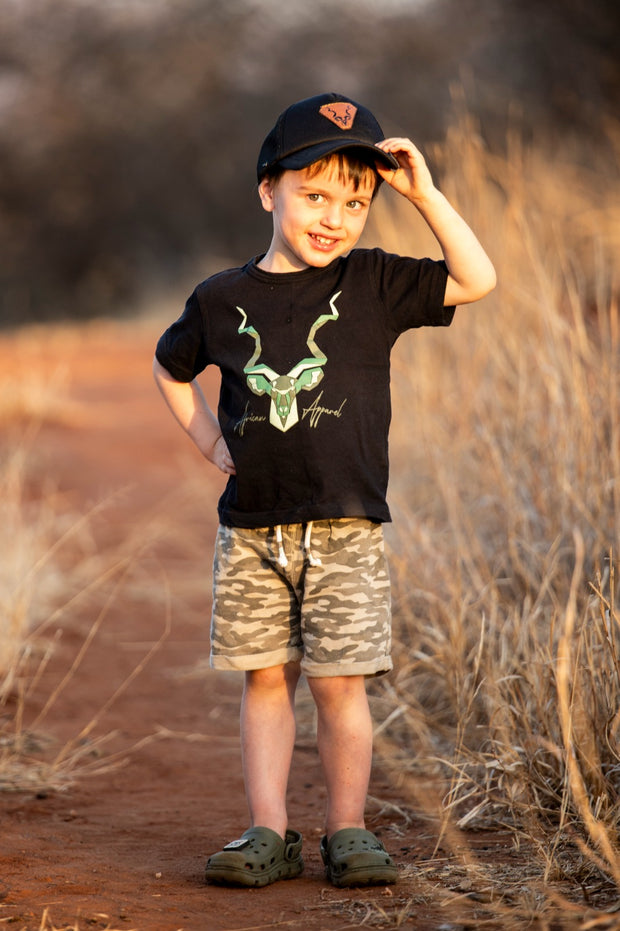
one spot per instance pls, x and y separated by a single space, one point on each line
340 113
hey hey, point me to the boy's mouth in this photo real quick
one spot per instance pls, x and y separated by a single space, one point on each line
323 240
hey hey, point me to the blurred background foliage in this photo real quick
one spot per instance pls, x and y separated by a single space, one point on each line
130 128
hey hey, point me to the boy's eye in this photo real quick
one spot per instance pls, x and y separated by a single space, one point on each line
315 198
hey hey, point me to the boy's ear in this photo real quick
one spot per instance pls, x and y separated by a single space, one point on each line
265 192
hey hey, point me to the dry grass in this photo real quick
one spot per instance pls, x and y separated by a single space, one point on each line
29 759
30 581
505 497
54 578
100 919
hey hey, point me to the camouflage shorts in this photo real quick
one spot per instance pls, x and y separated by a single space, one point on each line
335 617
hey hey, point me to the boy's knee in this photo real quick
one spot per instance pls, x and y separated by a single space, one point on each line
336 688
273 677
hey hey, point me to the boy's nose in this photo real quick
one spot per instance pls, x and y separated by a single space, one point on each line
333 217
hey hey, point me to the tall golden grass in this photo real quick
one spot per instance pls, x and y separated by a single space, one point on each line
505 497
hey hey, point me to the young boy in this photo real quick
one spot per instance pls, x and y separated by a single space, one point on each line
302 336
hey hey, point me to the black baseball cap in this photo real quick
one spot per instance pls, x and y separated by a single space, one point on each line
317 126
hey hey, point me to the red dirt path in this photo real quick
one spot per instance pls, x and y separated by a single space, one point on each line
126 848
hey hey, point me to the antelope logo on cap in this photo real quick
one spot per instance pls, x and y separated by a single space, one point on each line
342 114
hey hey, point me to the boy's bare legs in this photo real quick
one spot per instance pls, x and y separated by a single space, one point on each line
345 747
267 741
352 855
268 737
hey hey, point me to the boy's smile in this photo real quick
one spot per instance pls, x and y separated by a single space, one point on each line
316 218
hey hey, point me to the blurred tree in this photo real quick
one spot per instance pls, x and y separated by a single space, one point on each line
558 61
130 130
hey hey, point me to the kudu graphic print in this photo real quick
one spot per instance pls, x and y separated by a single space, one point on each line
283 389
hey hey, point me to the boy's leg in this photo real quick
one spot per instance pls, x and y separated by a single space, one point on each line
344 738
352 855
267 741
267 851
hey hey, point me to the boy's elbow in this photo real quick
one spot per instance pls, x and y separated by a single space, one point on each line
458 293
485 282
490 281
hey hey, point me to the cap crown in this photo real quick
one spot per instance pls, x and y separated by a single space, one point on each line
317 126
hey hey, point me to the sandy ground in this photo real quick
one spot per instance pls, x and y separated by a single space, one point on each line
126 848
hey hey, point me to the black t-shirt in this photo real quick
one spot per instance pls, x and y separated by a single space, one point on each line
305 365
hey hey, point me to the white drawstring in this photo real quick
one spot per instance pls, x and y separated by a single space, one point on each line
312 559
282 560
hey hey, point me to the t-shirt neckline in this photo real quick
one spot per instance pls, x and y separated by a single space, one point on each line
288 277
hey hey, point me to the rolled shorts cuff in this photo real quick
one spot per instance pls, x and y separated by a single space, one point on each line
368 670
255 660
312 670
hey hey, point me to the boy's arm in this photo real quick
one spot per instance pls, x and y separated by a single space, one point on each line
189 406
470 272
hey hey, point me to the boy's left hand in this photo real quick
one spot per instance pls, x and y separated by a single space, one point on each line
470 272
413 179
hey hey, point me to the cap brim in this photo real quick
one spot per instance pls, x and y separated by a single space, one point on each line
305 157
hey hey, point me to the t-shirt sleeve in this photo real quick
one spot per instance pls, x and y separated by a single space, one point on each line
181 349
413 291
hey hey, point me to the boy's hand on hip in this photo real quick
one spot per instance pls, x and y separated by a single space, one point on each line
413 179
220 457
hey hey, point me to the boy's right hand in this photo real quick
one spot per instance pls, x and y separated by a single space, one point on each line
220 457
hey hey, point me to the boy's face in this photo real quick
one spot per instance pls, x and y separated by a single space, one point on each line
316 217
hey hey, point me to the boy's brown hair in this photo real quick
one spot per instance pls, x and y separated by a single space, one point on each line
346 165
